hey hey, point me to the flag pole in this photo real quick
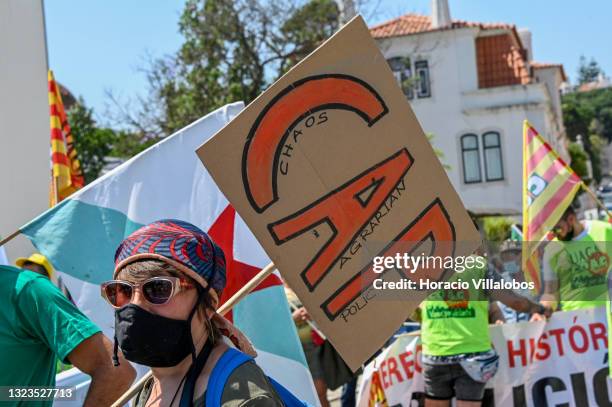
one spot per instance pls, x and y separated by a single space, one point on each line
10 237
55 191
223 309
597 201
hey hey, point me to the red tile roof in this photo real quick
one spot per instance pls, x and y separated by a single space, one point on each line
500 57
415 23
500 62
589 86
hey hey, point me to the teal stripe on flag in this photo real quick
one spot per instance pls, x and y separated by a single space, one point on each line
80 239
265 319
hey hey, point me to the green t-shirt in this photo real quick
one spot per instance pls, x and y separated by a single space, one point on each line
455 322
37 326
581 267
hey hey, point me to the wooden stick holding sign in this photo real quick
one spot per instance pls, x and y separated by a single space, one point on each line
223 309
293 307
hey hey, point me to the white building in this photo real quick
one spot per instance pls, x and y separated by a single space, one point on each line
471 85
24 119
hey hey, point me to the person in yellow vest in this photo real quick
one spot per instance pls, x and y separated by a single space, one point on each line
576 264
458 358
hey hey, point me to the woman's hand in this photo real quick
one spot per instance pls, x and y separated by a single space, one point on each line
542 314
300 315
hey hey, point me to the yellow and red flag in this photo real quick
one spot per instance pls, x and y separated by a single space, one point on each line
66 173
549 186
377 394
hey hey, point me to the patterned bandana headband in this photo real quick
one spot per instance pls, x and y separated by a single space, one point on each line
182 245
189 250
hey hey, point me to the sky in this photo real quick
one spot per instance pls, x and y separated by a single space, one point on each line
95 46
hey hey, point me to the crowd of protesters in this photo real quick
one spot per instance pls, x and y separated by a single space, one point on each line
458 358
165 299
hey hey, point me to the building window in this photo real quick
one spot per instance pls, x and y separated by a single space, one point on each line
402 70
471 158
423 88
492 156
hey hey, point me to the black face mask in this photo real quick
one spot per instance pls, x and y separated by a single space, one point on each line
152 340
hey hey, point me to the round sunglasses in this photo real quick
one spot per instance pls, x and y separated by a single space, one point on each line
155 290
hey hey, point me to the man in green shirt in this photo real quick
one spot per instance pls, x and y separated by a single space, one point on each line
37 326
458 358
576 264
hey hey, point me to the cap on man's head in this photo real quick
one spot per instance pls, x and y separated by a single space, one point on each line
180 244
36 258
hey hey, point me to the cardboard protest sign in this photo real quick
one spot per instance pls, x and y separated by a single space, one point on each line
328 160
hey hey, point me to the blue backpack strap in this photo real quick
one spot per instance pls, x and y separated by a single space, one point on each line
288 398
224 367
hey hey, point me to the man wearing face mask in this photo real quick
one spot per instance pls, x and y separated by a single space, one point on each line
576 264
169 276
510 269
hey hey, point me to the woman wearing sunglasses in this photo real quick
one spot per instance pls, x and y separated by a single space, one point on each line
167 282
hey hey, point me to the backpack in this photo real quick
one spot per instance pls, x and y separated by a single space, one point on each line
223 369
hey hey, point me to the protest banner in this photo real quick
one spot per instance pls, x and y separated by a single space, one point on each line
560 362
328 160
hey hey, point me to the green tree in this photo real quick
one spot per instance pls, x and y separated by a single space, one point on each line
497 228
581 108
93 144
588 71
604 117
232 50
307 28
589 114
127 144
578 160
439 153
596 148
577 115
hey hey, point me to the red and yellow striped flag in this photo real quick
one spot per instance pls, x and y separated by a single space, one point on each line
377 394
549 186
66 174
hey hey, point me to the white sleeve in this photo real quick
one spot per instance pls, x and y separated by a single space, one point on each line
548 274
